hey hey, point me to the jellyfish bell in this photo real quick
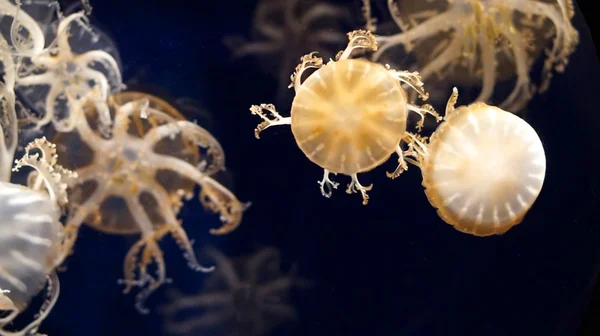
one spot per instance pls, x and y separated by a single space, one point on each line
31 235
29 241
364 102
122 189
483 168
113 215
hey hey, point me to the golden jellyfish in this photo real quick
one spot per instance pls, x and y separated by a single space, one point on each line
483 168
136 181
483 42
350 115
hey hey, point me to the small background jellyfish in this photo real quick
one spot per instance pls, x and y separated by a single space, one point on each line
284 30
486 45
136 182
248 293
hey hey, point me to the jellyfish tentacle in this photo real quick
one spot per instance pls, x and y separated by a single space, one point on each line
328 184
422 111
565 40
8 131
354 186
523 90
99 56
488 62
198 135
224 267
174 225
79 213
424 30
402 166
149 251
359 39
268 122
54 179
219 199
308 61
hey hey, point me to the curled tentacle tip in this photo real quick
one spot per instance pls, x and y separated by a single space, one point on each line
142 309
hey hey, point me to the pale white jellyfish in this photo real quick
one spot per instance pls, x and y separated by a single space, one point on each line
31 234
483 168
482 43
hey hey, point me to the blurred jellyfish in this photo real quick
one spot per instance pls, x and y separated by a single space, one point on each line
350 115
483 167
30 231
30 235
483 43
135 182
80 67
249 293
283 30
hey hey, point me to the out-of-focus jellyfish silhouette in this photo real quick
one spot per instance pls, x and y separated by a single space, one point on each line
283 30
249 293
486 42
350 115
483 167
135 182
77 68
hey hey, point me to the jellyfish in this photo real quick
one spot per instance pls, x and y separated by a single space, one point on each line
350 115
483 168
246 292
135 182
284 29
30 231
73 71
31 234
466 42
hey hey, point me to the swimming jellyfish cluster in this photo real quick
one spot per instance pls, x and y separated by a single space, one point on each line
122 162
78 148
483 167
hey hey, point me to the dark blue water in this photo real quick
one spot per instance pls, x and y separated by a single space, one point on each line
389 268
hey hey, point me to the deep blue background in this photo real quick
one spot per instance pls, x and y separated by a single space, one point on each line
390 268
